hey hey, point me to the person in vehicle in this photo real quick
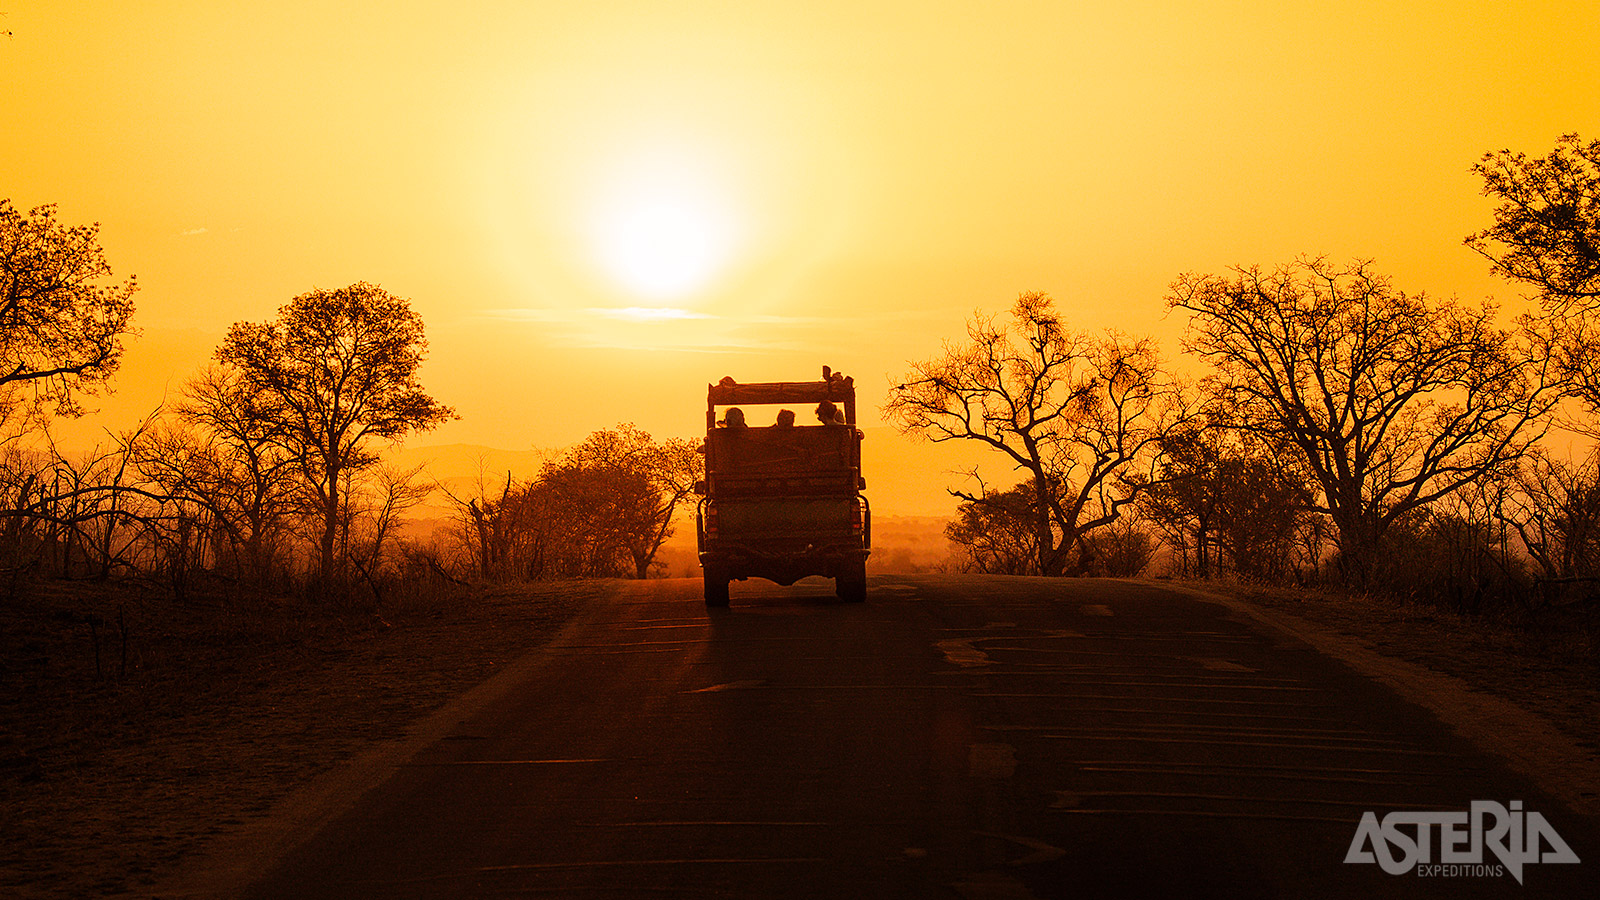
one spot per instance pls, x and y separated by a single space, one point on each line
829 414
785 419
734 417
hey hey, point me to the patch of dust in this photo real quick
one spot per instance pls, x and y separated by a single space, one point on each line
960 652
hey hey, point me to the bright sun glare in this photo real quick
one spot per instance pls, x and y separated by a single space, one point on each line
662 227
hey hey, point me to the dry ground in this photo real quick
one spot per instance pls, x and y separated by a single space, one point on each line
1545 662
109 781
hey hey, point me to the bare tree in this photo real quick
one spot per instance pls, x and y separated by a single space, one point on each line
1554 507
373 513
1078 414
335 372
60 328
1390 401
80 514
222 458
485 521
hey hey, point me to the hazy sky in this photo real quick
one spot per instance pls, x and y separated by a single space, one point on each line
599 207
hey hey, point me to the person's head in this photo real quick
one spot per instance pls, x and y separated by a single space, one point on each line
734 418
827 413
785 418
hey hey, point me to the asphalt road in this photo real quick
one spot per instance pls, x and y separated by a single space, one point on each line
952 737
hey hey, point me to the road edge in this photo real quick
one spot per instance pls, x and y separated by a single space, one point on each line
228 865
1526 741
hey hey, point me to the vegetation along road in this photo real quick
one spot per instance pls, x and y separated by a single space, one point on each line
979 737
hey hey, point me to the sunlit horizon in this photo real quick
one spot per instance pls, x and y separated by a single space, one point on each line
599 209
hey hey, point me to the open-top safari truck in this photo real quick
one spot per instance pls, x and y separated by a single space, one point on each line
783 501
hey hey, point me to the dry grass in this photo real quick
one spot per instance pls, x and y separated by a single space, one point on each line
217 709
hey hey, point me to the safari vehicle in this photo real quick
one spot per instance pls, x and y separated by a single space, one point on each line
783 501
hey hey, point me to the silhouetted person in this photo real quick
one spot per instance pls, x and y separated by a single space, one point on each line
734 418
829 414
785 419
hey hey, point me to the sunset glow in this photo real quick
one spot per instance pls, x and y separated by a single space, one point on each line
660 228
645 198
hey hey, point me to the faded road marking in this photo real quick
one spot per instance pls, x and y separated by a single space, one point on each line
1097 609
739 823
1220 665
607 863
991 760
1042 852
963 654
502 762
1281 745
992 886
729 686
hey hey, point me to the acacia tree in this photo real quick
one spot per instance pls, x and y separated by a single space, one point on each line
1230 504
996 533
653 476
334 373
60 328
1389 401
1546 228
1078 414
1546 234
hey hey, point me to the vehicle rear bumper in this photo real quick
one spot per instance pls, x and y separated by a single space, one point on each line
784 567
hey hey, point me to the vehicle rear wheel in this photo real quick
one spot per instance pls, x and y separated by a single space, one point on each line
851 586
716 584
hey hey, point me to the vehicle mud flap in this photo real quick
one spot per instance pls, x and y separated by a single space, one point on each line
716 587
851 585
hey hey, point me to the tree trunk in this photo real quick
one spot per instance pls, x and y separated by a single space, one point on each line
330 522
1358 550
1049 558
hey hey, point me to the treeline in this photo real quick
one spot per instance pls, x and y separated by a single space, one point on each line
266 473
1346 431
602 509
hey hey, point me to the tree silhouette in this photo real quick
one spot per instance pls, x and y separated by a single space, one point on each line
1231 505
227 461
1547 235
60 328
1390 401
1547 226
1079 414
335 372
997 531
655 477
1554 506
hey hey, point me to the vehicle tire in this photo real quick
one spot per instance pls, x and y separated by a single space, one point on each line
716 585
852 586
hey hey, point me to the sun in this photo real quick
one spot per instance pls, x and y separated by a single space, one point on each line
661 226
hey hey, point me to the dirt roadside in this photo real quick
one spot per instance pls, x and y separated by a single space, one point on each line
113 784
1530 696
110 782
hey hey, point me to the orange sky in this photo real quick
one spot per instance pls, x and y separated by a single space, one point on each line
599 207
